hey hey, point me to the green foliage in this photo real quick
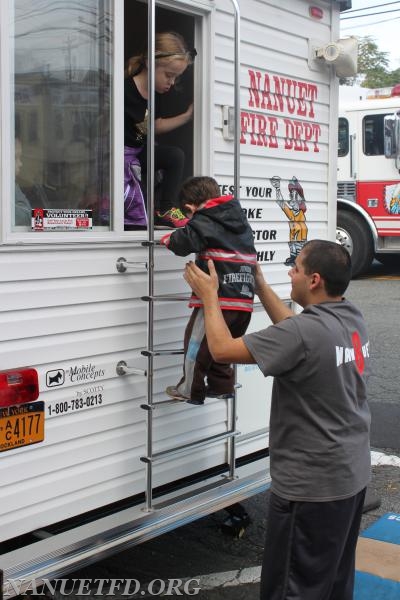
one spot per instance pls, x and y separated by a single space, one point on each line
369 56
372 67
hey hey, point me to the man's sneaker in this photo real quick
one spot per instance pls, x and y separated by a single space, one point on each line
171 219
173 392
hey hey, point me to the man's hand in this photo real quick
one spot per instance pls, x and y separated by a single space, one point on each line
202 284
223 347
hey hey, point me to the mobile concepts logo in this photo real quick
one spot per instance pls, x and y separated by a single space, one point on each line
84 373
55 378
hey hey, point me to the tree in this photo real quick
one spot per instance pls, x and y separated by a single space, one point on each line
372 67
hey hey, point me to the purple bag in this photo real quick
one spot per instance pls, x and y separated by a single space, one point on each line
134 206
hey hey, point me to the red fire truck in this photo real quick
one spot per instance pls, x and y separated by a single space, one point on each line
368 190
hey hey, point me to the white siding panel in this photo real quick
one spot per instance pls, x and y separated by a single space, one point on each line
64 309
256 166
287 16
92 496
35 294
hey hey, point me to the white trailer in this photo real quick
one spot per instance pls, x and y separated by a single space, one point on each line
94 457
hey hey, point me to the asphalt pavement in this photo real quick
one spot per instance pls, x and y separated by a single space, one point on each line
219 565
383 497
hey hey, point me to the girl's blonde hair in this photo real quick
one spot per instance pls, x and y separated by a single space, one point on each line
168 46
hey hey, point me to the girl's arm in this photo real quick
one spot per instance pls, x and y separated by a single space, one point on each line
170 123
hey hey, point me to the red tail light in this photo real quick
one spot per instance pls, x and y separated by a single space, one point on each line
18 386
316 12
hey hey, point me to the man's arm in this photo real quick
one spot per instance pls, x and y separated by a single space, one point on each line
223 347
275 308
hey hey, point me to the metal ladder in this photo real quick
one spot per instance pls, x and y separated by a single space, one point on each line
122 265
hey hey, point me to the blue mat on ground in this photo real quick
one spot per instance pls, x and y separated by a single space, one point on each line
370 587
385 529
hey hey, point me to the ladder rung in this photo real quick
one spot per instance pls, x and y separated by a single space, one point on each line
169 297
148 243
162 352
161 403
175 401
198 443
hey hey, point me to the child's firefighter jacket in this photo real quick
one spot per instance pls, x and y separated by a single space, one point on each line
220 231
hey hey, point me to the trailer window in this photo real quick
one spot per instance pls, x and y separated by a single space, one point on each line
62 105
373 138
343 137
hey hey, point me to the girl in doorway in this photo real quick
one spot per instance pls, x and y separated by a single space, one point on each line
171 60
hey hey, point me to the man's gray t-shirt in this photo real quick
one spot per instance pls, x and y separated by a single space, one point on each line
319 424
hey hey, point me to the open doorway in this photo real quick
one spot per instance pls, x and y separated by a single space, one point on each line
180 96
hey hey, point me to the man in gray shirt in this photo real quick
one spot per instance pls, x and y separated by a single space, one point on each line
319 424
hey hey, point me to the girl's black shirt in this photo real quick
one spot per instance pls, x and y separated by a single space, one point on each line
136 115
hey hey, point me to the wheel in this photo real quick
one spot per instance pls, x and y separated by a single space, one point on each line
353 234
390 260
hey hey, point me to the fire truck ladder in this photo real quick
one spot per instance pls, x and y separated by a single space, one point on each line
122 265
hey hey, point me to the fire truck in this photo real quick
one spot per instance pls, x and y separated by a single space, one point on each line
368 189
94 456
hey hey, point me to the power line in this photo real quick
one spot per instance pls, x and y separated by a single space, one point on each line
368 24
383 12
368 7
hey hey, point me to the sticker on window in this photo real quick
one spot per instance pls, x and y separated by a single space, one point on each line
60 219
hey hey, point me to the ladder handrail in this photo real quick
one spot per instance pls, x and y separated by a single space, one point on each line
236 175
230 434
151 21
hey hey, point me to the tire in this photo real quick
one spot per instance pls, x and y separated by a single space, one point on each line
353 234
389 260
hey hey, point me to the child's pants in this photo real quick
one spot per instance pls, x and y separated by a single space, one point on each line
198 362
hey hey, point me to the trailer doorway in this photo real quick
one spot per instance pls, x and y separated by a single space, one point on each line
181 95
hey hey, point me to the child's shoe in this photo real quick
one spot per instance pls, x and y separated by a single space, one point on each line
173 392
171 219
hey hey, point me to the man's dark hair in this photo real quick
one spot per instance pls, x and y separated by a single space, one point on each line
197 190
331 261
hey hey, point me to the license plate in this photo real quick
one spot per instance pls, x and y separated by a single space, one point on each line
21 425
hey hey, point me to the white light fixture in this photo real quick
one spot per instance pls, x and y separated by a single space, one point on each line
341 54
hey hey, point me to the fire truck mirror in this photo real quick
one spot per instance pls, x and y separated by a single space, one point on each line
397 139
390 136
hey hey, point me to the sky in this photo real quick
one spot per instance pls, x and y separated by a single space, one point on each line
384 28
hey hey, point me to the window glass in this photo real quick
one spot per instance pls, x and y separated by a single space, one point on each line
373 138
62 100
343 137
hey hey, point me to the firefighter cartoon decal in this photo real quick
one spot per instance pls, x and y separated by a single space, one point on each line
294 209
392 199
